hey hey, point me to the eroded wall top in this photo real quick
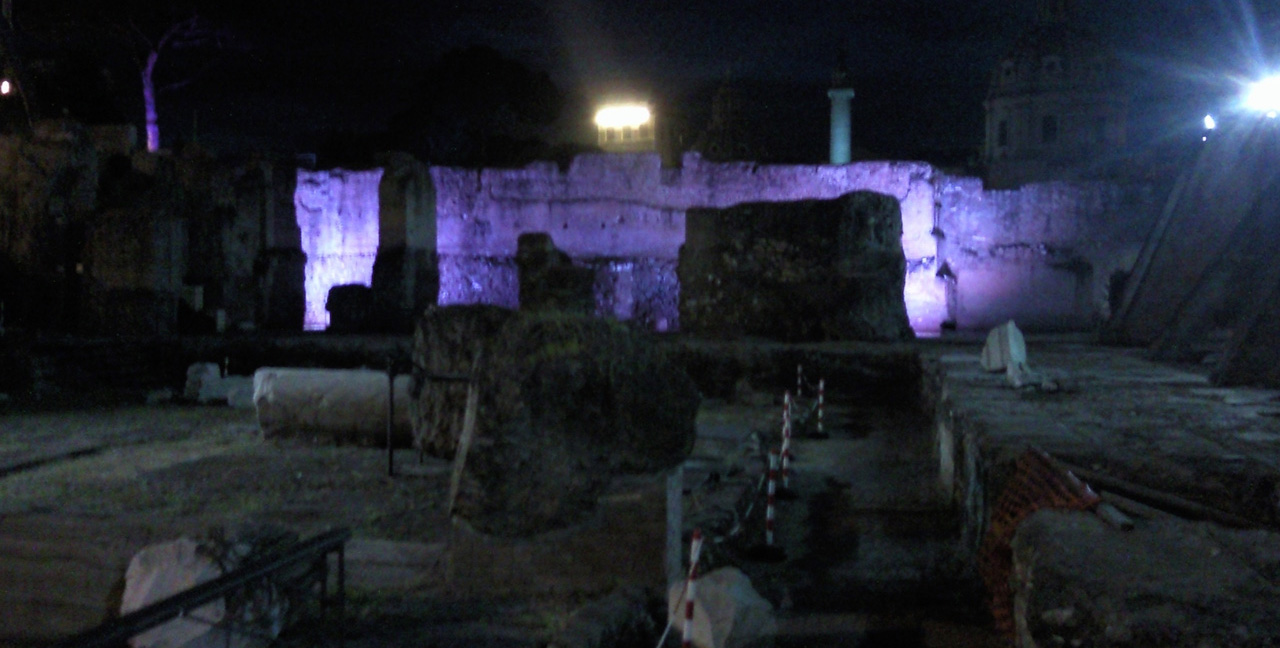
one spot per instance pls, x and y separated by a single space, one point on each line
628 205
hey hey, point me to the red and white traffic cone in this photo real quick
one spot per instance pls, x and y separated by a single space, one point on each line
690 588
769 552
820 432
785 492
770 511
822 397
786 422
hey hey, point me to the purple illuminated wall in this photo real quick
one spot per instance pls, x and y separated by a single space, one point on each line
337 213
1042 254
618 207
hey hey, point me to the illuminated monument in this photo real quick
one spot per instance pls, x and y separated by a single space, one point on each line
1054 107
841 94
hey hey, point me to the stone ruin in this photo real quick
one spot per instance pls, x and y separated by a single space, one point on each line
566 402
803 271
105 239
548 278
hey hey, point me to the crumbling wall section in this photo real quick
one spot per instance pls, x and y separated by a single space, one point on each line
337 212
1046 255
606 210
798 271
229 210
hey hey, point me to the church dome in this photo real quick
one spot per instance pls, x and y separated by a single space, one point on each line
1054 55
1055 107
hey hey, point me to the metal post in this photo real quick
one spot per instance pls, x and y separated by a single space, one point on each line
822 396
391 415
675 524
342 595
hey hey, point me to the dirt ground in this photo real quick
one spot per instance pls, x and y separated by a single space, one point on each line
188 468
171 470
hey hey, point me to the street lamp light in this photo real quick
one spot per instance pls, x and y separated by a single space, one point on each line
1264 96
623 116
626 128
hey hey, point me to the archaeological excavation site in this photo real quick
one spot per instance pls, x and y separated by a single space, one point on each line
662 389
834 405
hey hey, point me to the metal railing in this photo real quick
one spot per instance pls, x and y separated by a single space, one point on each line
312 553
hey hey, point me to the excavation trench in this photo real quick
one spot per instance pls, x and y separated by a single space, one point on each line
878 550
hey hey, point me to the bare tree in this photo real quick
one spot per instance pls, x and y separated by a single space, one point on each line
168 43
189 34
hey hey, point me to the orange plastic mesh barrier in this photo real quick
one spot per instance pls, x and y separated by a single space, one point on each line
1036 484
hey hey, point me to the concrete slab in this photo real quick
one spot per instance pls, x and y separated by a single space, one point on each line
1157 425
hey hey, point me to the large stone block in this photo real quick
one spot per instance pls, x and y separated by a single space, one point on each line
405 281
351 308
1168 582
801 271
446 342
167 569
549 281
566 403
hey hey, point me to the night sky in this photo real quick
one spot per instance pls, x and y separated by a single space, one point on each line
920 67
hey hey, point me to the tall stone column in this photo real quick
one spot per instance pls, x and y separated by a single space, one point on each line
841 125
406 275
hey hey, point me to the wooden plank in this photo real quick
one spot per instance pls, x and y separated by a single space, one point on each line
464 444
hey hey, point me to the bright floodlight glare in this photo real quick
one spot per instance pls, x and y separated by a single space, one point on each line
1264 96
622 116
1210 123
5 87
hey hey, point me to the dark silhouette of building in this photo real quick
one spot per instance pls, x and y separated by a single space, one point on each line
1055 109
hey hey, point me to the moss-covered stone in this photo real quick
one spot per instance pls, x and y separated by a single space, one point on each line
566 403
800 271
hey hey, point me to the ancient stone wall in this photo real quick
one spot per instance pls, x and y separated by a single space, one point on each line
628 207
1043 254
337 214
99 238
48 190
